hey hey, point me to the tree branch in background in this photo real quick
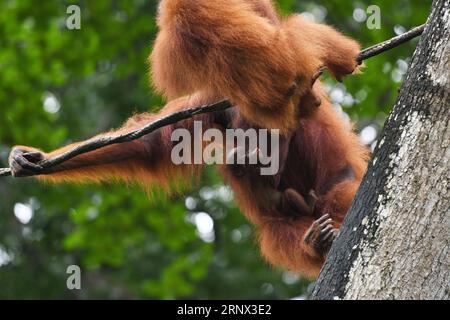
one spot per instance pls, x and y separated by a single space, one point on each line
188 113
105 141
391 43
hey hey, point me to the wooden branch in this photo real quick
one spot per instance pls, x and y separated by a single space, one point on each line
106 141
391 43
188 113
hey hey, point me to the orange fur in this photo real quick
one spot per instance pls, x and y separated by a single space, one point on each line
130 161
251 57
320 148
242 50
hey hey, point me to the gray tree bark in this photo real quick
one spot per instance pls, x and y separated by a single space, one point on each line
394 243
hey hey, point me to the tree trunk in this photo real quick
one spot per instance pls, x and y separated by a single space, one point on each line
394 243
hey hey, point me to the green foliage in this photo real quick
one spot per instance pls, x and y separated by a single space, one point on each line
128 246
